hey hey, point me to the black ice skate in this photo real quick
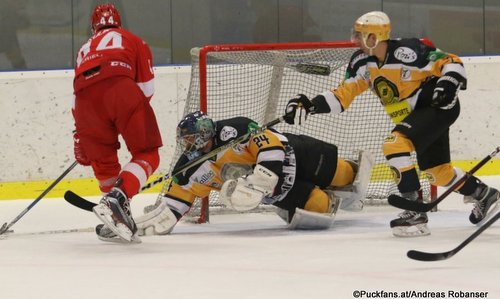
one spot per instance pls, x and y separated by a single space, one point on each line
114 211
410 223
105 234
485 201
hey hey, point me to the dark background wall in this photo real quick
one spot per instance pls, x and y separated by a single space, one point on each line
46 34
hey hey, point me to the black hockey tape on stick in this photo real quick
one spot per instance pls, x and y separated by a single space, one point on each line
84 204
6 227
417 206
312 68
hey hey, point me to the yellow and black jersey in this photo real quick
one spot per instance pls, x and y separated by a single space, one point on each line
268 148
408 65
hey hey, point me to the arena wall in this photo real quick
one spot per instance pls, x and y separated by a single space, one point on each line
37 146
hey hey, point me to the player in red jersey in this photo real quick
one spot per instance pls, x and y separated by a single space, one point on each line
113 84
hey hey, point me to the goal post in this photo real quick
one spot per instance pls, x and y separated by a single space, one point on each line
257 80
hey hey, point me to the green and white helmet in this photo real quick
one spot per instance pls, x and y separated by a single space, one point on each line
194 131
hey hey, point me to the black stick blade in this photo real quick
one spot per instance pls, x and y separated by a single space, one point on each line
429 257
405 204
313 68
4 228
78 201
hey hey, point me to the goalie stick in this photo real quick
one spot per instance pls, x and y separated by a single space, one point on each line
84 204
417 206
439 256
6 227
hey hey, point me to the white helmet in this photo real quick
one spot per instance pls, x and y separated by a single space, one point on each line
374 22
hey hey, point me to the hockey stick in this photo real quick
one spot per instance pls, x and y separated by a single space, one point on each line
48 232
312 68
6 227
417 206
84 204
439 256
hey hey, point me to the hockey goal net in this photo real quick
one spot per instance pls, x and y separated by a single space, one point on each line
257 80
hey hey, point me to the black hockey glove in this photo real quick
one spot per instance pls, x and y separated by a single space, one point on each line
304 107
445 93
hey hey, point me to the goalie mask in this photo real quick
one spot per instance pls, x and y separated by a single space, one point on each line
194 132
105 16
374 22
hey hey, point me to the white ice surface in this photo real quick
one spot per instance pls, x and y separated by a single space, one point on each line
242 256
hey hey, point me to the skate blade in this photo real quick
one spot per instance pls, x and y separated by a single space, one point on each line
104 213
134 240
494 209
105 234
418 230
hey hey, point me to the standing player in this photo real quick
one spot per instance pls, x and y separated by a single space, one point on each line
113 85
417 84
296 173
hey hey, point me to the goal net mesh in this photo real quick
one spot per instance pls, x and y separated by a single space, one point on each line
257 81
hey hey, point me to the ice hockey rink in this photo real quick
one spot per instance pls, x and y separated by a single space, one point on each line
245 256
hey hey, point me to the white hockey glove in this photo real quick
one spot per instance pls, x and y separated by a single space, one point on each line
159 221
246 193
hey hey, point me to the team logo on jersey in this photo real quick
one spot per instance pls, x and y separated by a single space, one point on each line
405 74
227 133
405 54
386 91
240 147
390 139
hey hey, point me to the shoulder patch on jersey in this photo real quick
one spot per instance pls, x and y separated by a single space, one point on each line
436 55
405 54
228 132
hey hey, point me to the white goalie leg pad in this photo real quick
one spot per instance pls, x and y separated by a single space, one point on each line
159 221
283 214
352 197
306 220
246 193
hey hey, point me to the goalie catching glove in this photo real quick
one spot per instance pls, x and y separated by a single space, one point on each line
247 192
